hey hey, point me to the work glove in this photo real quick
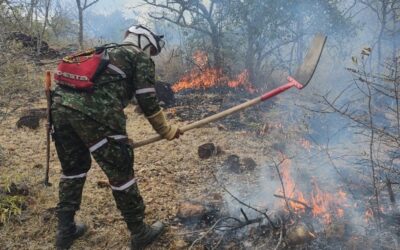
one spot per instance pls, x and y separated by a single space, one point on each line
162 127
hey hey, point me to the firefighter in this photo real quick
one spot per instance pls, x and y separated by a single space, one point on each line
94 123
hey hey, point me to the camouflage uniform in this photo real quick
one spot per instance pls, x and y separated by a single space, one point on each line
94 123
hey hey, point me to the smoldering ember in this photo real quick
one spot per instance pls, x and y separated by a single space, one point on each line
189 124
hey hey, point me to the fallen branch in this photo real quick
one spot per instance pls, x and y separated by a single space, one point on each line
280 237
295 201
206 233
216 226
244 214
244 204
283 185
239 225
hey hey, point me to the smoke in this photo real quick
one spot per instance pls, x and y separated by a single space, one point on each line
326 150
108 27
336 160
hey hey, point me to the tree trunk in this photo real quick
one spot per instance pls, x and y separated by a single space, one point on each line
216 44
250 57
41 34
80 15
382 33
395 33
216 50
300 44
29 16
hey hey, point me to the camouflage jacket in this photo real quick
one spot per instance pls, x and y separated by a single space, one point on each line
112 92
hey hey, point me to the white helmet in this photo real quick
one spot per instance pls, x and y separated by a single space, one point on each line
155 41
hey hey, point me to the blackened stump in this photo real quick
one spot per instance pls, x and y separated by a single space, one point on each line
206 150
249 164
165 94
233 163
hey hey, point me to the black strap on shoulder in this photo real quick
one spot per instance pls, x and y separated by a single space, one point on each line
100 49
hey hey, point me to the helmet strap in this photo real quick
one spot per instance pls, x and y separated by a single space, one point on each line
139 41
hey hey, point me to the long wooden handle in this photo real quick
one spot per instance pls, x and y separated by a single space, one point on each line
47 86
292 83
47 81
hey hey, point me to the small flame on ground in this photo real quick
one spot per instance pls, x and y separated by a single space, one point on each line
369 215
203 77
323 205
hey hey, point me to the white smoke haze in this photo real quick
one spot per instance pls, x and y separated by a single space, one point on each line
336 144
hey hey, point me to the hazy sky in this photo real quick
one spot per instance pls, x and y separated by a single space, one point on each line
108 6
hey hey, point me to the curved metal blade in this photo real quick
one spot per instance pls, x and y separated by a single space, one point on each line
306 70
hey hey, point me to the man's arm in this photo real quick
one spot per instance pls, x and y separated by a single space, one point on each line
146 96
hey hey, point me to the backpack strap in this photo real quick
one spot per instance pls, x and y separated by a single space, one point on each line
116 69
115 45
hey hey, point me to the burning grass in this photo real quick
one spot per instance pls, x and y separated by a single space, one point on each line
202 76
323 205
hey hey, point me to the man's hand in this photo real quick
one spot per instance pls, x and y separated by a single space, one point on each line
162 127
177 133
173 133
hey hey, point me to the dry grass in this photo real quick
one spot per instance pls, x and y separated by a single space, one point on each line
167 172
20 79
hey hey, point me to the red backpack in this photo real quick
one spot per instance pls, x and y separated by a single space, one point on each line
79 71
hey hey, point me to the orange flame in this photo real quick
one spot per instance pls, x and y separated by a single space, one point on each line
369 215
203 77
324 205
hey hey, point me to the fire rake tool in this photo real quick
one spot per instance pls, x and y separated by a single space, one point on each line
300 80
47 89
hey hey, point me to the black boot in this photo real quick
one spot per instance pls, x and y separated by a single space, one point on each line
68 231
146 234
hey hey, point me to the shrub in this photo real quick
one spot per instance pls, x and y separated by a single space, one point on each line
10 206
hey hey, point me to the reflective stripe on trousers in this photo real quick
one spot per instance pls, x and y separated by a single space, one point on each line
124 186
73 176
101 143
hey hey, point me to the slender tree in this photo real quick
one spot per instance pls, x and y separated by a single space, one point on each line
41 32
388 14
82 6
193 15
371 106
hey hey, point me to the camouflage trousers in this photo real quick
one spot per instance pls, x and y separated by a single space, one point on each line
77 137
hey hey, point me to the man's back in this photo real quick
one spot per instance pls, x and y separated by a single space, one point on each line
129 70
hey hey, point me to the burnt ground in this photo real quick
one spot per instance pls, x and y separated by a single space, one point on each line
167 172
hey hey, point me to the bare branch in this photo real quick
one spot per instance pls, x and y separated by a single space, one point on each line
86 5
